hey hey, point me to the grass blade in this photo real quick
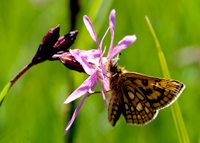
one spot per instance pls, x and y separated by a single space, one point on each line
176 113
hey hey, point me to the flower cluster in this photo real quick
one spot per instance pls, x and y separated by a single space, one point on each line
93 63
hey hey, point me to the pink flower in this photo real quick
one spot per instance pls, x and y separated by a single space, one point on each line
94 63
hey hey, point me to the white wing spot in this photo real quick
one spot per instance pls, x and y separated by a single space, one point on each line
165 99
147 104
139 96
139 106
128 116
132 109
146 109
131 95
126 107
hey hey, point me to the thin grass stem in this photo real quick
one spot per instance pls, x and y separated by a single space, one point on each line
176 113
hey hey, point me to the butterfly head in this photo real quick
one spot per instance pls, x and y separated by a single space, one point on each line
113 68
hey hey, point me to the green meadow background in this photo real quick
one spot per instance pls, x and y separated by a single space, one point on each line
33 111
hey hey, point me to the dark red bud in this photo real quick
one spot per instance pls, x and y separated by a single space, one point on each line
52 45
65 41
52 35
70 62
46 50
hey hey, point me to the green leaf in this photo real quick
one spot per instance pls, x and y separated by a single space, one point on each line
4 92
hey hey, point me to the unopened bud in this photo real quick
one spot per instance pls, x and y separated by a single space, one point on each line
46 50
51 45
52 36
70 62
65 41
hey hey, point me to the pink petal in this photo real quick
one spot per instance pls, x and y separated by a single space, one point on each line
102 68
90 28
75 114
124 43
100 50
102 91
78 109
112 19
82 89
112 27
90 54
86 66
106 85
100 47
105 88
111 42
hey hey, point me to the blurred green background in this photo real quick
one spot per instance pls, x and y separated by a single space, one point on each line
33 110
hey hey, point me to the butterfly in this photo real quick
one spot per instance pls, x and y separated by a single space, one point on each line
138 97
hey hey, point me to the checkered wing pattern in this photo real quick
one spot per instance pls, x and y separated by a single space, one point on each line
143 96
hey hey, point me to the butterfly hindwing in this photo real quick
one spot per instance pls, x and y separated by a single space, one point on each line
115 107
137 109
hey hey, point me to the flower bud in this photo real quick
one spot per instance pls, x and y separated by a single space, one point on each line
65 42
70 62
46 50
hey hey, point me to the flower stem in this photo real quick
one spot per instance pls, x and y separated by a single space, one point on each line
20 73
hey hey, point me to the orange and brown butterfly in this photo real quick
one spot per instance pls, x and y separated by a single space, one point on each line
138 97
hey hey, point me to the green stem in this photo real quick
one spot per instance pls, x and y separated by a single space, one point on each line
9 85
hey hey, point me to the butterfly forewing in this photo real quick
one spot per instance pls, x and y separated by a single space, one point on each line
159 92
139 97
